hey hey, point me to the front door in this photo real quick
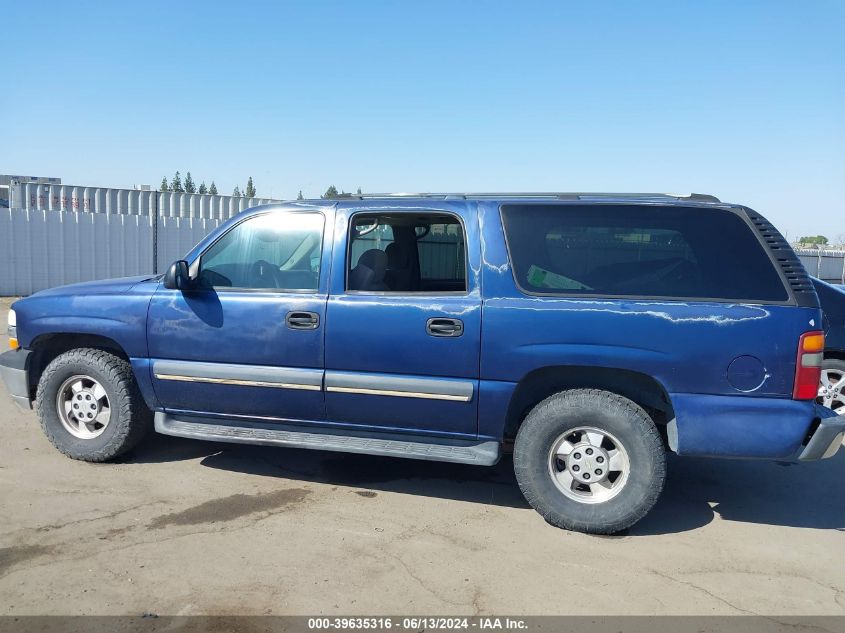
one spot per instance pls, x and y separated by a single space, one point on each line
404 324
249 341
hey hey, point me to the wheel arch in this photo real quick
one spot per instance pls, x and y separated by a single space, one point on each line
539 384
47 347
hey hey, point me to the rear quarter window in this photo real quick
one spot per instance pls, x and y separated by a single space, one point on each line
638 251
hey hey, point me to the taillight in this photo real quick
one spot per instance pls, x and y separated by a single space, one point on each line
808 366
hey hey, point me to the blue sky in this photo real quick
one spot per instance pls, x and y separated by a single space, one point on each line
745 100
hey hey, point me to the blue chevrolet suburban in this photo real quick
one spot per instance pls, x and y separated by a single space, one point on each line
588 334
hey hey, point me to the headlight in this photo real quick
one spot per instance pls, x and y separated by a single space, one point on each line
12 330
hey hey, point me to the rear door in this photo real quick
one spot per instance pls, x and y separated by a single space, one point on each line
404 322
249 343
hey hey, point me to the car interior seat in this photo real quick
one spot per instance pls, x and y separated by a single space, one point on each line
398 274
368 273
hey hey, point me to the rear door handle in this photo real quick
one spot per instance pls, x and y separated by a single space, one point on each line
302 320
444 327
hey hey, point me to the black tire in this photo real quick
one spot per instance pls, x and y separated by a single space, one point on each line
608 412
130 418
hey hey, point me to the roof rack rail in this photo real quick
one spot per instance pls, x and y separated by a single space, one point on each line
692 197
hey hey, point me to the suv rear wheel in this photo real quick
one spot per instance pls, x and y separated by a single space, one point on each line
590 461
89 405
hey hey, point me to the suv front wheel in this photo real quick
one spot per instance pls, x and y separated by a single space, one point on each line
89 405
590 461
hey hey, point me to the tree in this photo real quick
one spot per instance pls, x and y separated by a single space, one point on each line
250 189
236 193
331 192
212 189
359 191
176 183
814 240
164 185
300 196
203 188
190 187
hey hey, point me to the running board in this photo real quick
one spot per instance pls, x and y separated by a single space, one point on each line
484 453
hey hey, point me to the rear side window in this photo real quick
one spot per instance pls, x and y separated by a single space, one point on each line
638 251
406 253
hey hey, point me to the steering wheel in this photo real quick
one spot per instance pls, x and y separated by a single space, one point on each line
262 274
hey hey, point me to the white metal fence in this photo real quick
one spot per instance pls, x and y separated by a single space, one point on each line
60 234
826 265
41 249
127 201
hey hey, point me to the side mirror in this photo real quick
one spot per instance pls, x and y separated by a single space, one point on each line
177 276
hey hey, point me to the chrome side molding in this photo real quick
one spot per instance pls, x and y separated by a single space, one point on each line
397 386
399 394
241 383
240 375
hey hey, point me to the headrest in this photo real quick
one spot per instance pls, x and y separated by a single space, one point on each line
375 260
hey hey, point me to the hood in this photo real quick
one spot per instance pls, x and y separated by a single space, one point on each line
102 287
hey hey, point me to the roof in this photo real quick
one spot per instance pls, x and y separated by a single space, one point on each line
586 196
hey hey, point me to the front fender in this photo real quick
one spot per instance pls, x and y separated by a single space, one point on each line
119 317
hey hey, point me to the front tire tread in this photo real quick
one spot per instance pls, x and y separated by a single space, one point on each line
131 418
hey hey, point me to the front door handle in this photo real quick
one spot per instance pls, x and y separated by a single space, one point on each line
302 320
444 327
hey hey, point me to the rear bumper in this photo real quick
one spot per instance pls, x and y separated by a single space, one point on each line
750 427
826 438
14 368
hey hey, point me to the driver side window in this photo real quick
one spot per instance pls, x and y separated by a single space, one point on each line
274 251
